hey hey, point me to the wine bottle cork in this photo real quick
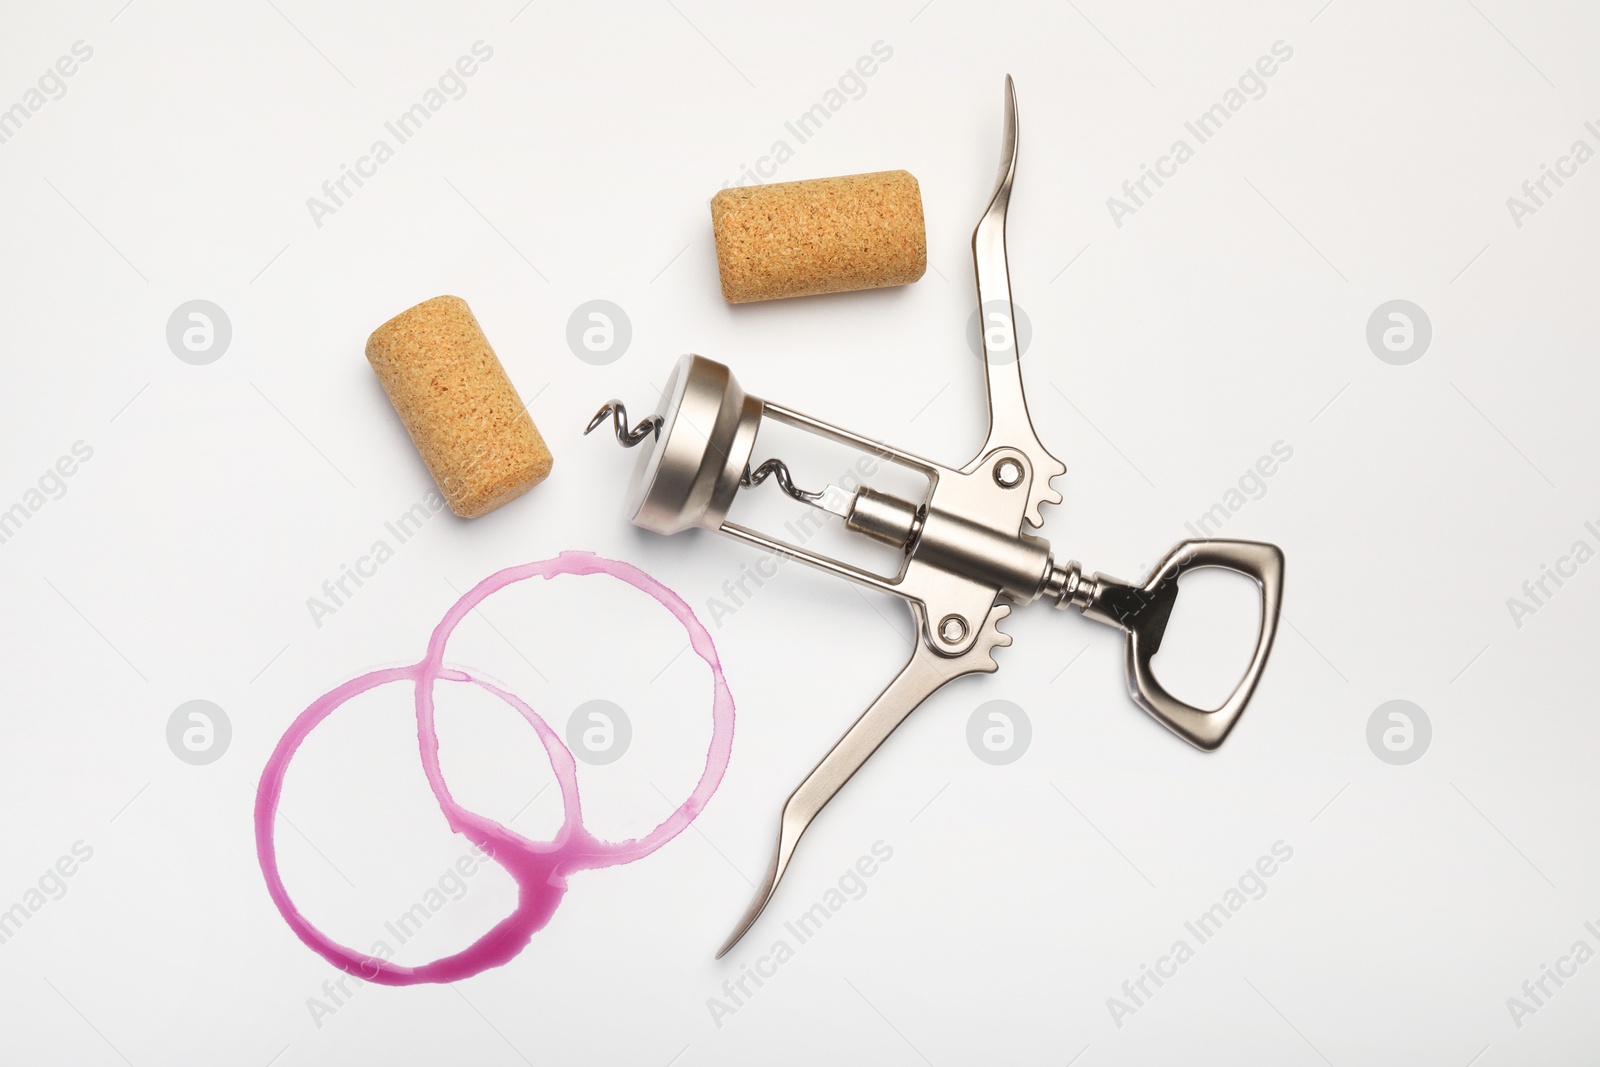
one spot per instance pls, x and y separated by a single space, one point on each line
462 412
826 235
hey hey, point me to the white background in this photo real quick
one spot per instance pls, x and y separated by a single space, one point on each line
1168 355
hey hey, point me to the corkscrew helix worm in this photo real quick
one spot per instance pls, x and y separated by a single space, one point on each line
776 468
966 557
619 423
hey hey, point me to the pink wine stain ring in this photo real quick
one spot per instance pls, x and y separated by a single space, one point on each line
539 867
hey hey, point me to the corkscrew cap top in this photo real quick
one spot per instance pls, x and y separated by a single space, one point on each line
696 452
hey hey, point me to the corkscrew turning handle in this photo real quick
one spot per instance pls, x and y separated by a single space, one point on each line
1143 611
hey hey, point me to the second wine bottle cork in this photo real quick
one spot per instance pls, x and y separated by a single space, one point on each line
825 235
462 412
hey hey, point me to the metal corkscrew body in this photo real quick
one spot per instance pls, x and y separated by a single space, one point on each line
967 557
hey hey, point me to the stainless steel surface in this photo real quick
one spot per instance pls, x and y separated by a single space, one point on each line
884 517
688 476
925 673
966 553
1009 424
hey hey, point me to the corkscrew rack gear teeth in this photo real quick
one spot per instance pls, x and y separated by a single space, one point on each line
966 557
